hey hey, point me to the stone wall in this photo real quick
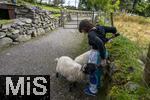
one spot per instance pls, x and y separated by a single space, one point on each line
30 22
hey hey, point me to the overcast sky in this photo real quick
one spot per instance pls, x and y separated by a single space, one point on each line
68 2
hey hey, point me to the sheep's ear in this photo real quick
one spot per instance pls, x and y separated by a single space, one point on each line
83 67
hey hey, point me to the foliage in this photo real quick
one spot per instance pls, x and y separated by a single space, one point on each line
127 4
57 2
30 1
143 8
50 8
105 5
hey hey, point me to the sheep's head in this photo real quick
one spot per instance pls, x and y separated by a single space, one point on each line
89 68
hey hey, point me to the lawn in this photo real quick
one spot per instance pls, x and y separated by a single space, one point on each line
5 21
136 28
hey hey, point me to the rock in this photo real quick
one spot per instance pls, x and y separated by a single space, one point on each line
2 34
26 20
15 43
29 32
47 29
15 31
23 38
20 23
52 27
13 25
131 86
25 10
5 42
34 33
13 36
143 57
141 62
40 31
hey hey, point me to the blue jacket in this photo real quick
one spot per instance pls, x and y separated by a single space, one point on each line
97 38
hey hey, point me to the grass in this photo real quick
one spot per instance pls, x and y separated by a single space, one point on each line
125 51
136 28
56 15
126 54
49 8
43 6
6 21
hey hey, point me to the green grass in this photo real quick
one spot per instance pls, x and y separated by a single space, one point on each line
137 19
56 15
49 8
43 6
6 21
125 54
136 28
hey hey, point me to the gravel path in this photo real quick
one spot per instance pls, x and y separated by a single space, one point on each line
37 57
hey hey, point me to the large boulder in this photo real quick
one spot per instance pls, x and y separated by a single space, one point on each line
2 34
23 38
5 42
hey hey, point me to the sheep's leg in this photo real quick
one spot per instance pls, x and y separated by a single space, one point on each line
57 74
74 84
70 87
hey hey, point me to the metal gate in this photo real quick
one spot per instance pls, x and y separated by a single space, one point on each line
71 19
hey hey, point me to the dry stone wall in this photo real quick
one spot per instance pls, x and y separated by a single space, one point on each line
30 22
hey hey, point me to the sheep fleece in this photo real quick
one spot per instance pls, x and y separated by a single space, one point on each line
83 58
70 69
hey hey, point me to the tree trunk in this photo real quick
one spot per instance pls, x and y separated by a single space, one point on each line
147 68
111 18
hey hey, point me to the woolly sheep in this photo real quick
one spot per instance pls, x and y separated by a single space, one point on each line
83 58
70 69
73 71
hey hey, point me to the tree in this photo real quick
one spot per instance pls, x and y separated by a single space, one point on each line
143 8
105 5
57 2
49 1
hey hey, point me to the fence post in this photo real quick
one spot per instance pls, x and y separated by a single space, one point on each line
77 19
147 69
93 16
61 19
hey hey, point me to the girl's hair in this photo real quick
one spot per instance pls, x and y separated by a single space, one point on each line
85 25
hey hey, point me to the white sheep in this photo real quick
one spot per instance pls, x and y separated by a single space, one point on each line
70 69
83 58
